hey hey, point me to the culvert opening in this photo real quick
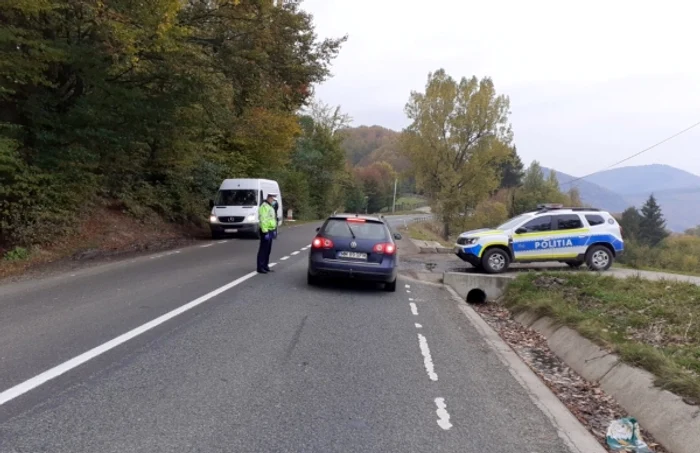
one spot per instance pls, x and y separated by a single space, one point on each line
476 296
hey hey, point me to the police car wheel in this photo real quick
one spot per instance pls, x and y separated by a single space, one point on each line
599 258
495 261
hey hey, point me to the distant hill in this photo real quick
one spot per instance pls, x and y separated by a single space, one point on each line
364 145
644 179
592 194
676 191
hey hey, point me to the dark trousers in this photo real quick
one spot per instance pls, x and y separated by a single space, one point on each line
264 253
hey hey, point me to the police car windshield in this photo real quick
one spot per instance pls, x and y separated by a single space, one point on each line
513 222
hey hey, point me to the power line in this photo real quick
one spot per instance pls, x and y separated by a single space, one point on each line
637 154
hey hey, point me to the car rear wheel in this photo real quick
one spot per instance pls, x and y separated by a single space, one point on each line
391 286
495 261
311 280
599 258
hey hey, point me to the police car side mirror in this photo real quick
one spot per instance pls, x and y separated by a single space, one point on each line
520 231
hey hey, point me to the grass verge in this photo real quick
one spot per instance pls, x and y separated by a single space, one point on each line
425 231
651 324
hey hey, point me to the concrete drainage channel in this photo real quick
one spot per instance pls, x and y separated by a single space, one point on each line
665 415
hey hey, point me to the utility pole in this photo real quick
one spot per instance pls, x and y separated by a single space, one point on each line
393 206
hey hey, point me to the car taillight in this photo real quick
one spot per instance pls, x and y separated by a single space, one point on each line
385 248
322 243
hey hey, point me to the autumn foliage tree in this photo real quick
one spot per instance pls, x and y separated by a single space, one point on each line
458 137
377 182
149 103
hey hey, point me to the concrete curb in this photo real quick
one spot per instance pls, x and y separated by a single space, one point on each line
664 414
430 246
576 437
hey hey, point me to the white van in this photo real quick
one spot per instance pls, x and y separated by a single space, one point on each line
235 209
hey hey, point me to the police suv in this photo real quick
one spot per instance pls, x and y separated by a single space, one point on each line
551 233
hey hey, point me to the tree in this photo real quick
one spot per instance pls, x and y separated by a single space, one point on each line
693 231
378 184
458 136
652 227
631 222
511 170
536 190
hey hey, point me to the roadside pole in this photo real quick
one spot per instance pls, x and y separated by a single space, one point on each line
393 206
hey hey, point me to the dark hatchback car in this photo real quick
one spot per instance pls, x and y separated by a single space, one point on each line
354 246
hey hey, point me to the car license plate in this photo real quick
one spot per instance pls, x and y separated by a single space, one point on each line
231 230
353 255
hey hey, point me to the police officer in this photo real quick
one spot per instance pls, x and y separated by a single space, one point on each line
268 226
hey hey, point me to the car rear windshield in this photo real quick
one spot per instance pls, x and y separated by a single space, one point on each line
338 228
239 197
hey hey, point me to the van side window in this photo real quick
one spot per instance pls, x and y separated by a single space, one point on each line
569 222
594 219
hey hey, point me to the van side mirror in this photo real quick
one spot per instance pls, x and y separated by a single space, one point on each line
211 204
398 236
520 230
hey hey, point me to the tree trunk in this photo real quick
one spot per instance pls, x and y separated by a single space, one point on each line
446 229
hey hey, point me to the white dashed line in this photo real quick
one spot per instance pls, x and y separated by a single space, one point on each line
36 381
410 299
408 286
273 264
206 245
418 326
284 258
414 309
306 248
408 291
443 415
427 359
222 242
294 253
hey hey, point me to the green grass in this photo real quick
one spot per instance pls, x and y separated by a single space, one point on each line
425 231
655 269
651 324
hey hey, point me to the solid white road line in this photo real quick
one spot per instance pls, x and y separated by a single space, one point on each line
222 242
414 309
427 359
443 415
206 245
294 253
284 258
36 381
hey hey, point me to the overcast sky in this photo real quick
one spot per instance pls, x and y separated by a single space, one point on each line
590 83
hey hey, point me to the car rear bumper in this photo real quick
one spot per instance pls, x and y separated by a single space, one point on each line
361 271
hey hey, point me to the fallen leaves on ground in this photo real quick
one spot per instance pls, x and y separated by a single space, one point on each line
587 401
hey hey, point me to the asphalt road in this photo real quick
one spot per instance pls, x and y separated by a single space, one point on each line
264 364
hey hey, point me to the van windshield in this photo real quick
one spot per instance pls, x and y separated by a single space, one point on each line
240 197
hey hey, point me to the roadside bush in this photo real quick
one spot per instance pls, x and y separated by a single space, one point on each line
17 254
676 253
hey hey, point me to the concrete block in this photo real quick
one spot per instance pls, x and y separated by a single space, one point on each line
671 421
526 318
493 286
588 359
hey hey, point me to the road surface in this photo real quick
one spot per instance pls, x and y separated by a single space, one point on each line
98 361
